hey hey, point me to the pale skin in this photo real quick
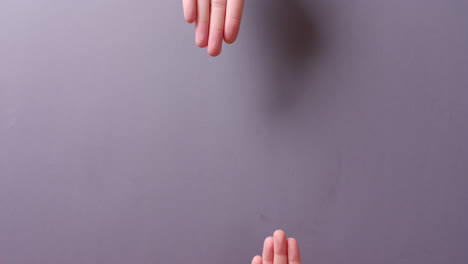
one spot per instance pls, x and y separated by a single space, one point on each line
215 21
279 250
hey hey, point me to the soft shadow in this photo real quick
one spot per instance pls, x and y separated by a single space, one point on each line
293 42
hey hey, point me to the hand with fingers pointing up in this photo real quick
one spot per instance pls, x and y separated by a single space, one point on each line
279 250
216 20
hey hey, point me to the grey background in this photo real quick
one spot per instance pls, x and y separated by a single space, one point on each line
343 122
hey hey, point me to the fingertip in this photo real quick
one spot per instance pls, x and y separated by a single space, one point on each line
257 260
292 244
214 54
279 234
230 38
279 238
268 250
201 34
190 15
230 33
214 51
292 241
190 20
201 43
293 251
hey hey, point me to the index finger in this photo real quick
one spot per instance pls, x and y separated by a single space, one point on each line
233 20
294 256
190 10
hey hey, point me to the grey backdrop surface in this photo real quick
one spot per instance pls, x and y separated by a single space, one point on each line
343 122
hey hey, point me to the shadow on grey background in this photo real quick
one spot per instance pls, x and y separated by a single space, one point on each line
119 143
294 41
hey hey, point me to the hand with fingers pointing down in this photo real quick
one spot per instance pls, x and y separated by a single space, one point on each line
279 250
215 20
